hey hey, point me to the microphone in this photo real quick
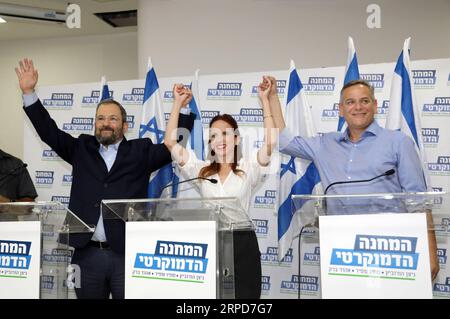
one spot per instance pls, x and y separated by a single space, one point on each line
18 168
387 173
212 180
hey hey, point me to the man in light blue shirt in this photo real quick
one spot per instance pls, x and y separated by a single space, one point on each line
363 151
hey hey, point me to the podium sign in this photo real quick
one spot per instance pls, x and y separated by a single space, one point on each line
34 249
375 256
182 254
20 254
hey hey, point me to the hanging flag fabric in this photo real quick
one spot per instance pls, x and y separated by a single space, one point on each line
104 93
297 176
404 112
153 126
351 74
195 142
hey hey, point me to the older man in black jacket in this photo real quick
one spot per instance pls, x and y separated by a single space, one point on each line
104 166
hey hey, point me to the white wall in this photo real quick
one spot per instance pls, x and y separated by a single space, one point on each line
254 35
59 61
225 37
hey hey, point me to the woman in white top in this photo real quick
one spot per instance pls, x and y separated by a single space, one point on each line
236 176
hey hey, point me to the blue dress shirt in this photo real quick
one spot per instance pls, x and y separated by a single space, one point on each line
109 155
337 158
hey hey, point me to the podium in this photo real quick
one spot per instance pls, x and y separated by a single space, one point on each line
34 255
370 245
179 248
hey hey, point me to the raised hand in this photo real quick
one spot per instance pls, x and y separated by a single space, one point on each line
268 93
182 95
264 88
27 75
273 87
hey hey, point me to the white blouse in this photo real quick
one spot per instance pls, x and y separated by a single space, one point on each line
239 186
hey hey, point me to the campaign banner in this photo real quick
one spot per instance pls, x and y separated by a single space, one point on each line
170 260
20 255
375 256
72 106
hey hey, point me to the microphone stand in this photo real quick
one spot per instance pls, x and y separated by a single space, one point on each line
387 173
212 180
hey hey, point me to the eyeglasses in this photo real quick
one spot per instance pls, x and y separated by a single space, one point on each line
112 119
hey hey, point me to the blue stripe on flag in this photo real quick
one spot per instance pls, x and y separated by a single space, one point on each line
295 85
151 84
152 127
197 131
352 71
175 182
351 75
162 178
105 93
407 104
340 123
194 108
304 185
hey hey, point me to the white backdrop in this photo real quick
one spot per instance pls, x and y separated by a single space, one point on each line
73 108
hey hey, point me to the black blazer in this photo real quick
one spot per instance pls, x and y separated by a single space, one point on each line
91 182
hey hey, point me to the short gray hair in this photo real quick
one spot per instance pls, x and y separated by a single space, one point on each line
359 82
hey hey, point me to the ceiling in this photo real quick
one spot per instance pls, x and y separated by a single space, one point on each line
16 29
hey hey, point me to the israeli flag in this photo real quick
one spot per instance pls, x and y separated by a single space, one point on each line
195 142
403 112
297 176
153 126
351 74
104 90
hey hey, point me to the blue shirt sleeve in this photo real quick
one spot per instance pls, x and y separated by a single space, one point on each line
410 169
29 99
295 145
185 111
